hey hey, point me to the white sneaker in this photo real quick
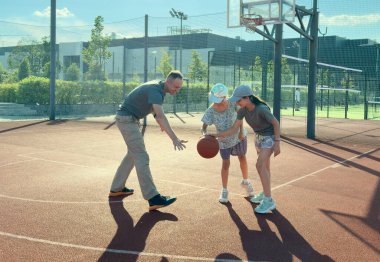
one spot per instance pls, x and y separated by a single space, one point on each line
223 198
249 187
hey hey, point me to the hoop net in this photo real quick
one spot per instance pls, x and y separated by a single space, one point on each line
251 23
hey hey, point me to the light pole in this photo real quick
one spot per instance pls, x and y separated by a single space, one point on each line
181 16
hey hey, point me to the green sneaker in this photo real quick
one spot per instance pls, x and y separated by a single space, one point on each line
257 198
266 206
159 201
124 192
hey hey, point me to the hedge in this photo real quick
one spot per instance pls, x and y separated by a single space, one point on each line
34 90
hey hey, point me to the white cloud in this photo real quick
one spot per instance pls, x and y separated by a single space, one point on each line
64 12
349 20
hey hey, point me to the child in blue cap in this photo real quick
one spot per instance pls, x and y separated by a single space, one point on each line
222 114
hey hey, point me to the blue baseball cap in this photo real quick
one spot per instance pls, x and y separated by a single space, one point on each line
240 92
218 93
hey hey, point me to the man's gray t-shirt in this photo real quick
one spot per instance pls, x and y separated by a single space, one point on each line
260 119
139 101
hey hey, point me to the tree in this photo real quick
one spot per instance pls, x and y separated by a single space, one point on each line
256 71
24 69
165 67
197 68
72 73
96 54
37 53
286 72
3 74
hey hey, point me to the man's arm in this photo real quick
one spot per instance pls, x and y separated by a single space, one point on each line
165 126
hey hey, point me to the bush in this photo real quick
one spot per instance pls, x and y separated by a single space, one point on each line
8 92
67 92
34 90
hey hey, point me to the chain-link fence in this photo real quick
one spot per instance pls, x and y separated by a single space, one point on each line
99 63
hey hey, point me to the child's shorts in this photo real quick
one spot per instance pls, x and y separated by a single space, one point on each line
264 141
240 149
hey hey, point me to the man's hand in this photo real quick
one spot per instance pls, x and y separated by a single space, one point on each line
179 144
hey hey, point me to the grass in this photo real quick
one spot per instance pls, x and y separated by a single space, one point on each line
353 112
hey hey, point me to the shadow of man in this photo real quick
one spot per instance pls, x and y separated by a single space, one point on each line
292 241
129 240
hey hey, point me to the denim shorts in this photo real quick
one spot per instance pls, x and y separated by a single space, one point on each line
264 141
240 149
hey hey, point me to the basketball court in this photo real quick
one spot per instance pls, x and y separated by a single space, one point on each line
56 177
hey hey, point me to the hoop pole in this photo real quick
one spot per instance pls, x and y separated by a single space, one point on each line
312 73
277 73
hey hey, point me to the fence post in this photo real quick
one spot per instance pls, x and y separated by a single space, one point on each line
365 97
187 95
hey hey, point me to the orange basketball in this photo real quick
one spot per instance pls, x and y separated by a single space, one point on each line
208 146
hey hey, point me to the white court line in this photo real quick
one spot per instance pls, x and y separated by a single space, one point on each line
335 165
117 251
205 188
17 162
88 202
61 162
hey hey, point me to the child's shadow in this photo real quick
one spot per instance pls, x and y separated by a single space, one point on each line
129 239
266 245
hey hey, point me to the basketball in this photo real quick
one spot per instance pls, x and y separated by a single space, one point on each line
208 146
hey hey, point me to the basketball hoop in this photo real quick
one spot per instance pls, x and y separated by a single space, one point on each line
251 23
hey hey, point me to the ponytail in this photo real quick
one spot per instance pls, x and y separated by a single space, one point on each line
257 100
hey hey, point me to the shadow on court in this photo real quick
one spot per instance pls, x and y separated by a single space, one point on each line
372 220
130 239
23 126
335 158
264 245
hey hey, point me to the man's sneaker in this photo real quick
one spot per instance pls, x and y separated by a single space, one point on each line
257 198
125 192
248 186
159 201
223 198
266 206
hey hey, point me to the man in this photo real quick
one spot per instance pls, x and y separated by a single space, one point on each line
297 98
144 99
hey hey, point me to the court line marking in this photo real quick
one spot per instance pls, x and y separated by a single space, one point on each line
87 202
117 251
17 162
335 165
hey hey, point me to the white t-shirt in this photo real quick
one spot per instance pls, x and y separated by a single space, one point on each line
223 121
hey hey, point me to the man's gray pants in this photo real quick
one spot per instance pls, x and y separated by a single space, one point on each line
136 156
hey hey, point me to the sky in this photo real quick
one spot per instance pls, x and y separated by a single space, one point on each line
30 18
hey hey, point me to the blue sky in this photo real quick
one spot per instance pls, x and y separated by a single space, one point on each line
30 18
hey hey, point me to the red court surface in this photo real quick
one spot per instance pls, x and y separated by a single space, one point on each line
55 177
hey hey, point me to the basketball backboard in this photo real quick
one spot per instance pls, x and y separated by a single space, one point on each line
269 11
